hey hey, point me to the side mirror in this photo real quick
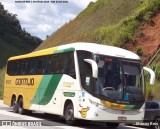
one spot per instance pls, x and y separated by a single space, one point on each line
94 67
152 75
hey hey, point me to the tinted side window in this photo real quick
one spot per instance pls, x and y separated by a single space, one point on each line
85 70
62 63
154 105
71 65
52 64
34 67
12 67
45 64
29 68
68 64
147 105
59 63
22 67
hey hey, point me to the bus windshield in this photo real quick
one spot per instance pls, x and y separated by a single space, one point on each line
119 80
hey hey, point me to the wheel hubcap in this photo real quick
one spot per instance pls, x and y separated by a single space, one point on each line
157 126
69 114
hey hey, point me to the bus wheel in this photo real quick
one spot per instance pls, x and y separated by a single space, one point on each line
113 125
21 110
157 123
15 106
69 114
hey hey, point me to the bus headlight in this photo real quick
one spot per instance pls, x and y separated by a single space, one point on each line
141 110
97 105
101 107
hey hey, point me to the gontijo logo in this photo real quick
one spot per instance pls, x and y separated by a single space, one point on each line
24 81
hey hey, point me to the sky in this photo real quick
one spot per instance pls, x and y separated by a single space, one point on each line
42 19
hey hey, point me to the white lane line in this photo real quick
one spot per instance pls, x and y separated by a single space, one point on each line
133 127
11 114
11 127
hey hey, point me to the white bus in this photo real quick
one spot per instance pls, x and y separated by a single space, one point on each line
79 80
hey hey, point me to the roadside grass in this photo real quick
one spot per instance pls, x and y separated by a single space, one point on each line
126 30
153 92
156 91
157 59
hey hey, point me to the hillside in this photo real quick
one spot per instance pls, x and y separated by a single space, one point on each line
109 22
13 39
130 24
148 40
103 13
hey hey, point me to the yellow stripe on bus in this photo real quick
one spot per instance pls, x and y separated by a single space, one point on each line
113 105
35 54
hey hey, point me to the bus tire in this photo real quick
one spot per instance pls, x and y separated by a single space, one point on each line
14 105
69 114
21 110
157 126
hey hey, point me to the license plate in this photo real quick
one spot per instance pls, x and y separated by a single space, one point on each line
122 118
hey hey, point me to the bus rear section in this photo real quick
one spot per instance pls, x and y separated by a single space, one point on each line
40 82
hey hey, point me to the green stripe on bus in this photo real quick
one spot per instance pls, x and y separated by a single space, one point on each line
129 106
133 106
138 106
64 50
52 86
41 89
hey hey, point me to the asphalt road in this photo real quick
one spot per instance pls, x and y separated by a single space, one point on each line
37 120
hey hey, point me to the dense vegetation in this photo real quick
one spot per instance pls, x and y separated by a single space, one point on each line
153 92
13 40
111 22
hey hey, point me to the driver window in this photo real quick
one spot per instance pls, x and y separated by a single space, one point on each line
109 74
